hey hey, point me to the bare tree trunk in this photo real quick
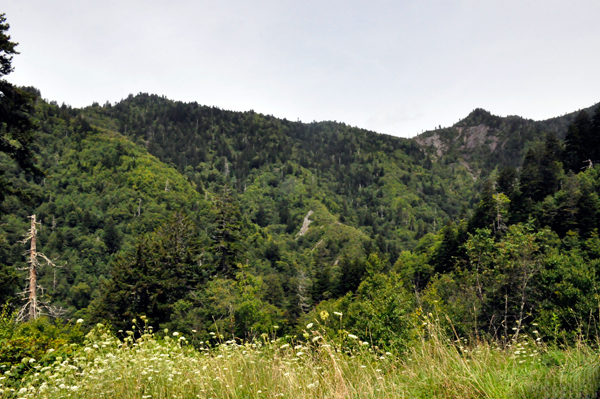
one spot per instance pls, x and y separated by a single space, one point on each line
33 314
32 309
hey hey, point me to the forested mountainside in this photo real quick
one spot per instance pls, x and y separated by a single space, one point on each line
212 220
299 204
483 142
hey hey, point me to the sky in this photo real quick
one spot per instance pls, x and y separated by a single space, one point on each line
396 67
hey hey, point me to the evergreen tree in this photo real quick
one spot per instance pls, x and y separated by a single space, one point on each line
451 248
578 143
531 182
485 210
16 127
588 209
550 167
351 274
112 238
595 136
163 269
507 181
227 233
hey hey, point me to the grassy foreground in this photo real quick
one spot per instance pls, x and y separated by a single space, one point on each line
435 367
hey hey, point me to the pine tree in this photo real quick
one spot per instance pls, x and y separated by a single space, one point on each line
578 143
485 210
531 181
163 269
595 136
507 181
226 236
550 167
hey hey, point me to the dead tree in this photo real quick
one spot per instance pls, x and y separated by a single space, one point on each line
33 307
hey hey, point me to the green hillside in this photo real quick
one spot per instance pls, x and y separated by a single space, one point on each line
113 174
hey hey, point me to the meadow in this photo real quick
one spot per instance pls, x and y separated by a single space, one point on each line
144 364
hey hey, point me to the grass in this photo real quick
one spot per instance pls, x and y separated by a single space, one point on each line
434 367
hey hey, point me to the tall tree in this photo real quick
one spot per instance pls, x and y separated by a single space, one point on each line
577 143
16 128
164 269
226 234
595 136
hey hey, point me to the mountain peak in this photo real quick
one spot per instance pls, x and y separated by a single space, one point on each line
480 116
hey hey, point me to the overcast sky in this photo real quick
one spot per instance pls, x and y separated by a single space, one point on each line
396 67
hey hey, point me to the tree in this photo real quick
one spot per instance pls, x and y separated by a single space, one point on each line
164 269
595 136
226 235
577 143
485 212
33 308
7 48
16 128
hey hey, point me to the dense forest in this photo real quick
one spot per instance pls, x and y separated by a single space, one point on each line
203 219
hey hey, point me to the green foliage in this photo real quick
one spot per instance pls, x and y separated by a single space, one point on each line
16 127
164 268
35 343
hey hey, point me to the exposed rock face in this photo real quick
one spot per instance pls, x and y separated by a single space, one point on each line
471 138
475 136
433 141
305 224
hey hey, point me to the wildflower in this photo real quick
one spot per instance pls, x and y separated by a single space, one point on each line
338 314
324 315
275 327
175 333
309 325
285 346
79 321
352 336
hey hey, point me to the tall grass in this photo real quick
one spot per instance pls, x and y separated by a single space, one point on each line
318 367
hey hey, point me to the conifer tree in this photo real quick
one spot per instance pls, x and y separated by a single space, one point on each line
226 237
578 143
163 269
595 136
16 128
485 210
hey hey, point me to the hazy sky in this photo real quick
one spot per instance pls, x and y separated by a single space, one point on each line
395 67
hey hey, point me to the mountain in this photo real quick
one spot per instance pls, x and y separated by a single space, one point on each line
297 213
482 142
